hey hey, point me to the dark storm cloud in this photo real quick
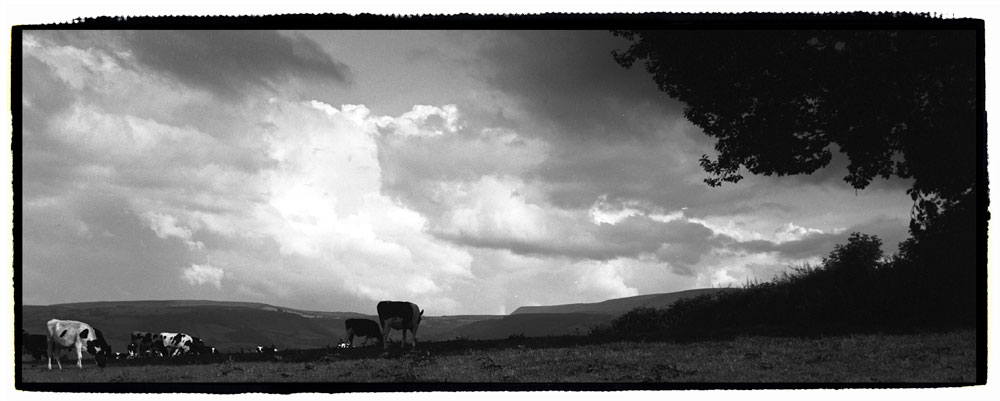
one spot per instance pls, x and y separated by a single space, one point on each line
679 243
228 62
569 79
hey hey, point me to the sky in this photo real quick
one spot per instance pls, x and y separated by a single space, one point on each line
470 172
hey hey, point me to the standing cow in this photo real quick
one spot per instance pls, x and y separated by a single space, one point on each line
362 327
401 316
72 334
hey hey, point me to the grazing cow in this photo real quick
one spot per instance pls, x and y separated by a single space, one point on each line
34 344
141 345
79 335
362 327
401 316
172 344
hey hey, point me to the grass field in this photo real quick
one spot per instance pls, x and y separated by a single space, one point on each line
917 358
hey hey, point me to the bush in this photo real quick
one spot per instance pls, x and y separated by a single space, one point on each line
856 289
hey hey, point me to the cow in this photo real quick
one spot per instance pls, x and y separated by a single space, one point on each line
266 350
119 356
198 346
142 344
401 316
34 344
70 333
362 327
172 344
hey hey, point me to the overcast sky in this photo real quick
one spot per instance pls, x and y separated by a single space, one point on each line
469 172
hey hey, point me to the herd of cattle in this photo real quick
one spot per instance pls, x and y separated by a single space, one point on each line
73 335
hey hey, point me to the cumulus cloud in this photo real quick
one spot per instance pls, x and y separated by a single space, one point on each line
203 274
165 226
422 120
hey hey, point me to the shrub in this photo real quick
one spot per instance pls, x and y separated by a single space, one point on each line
855 289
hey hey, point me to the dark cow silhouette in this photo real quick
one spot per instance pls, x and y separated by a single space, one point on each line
34 344
362 327
63 334
401 316
141 345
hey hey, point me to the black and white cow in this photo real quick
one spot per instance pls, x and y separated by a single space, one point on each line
401 316
34 344
73 334
141 345
172 344
362 327
266 350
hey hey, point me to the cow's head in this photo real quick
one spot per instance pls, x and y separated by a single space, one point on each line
96 346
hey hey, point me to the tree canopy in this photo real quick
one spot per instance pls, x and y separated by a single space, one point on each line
896 102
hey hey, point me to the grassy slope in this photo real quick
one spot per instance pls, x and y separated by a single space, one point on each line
619 306
939 357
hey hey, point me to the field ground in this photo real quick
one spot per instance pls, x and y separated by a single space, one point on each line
915 358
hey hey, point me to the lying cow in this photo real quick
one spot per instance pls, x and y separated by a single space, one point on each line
362 327
72 334
141 345
266 350
173 344
401 316
34 344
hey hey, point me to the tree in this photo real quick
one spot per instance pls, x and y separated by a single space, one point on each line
861 255
896 103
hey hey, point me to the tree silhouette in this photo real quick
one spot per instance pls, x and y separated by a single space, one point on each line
897 103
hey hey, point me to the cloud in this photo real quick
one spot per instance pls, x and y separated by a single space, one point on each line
223 62
203 274
165 226
569 79
426 121
228 63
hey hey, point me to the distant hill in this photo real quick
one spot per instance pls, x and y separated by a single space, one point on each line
619 306
532 325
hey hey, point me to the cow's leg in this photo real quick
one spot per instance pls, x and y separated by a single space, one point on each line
350 337
385 335
403 344
414 332
79 354
49 347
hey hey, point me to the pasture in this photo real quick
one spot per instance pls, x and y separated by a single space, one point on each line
866 359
